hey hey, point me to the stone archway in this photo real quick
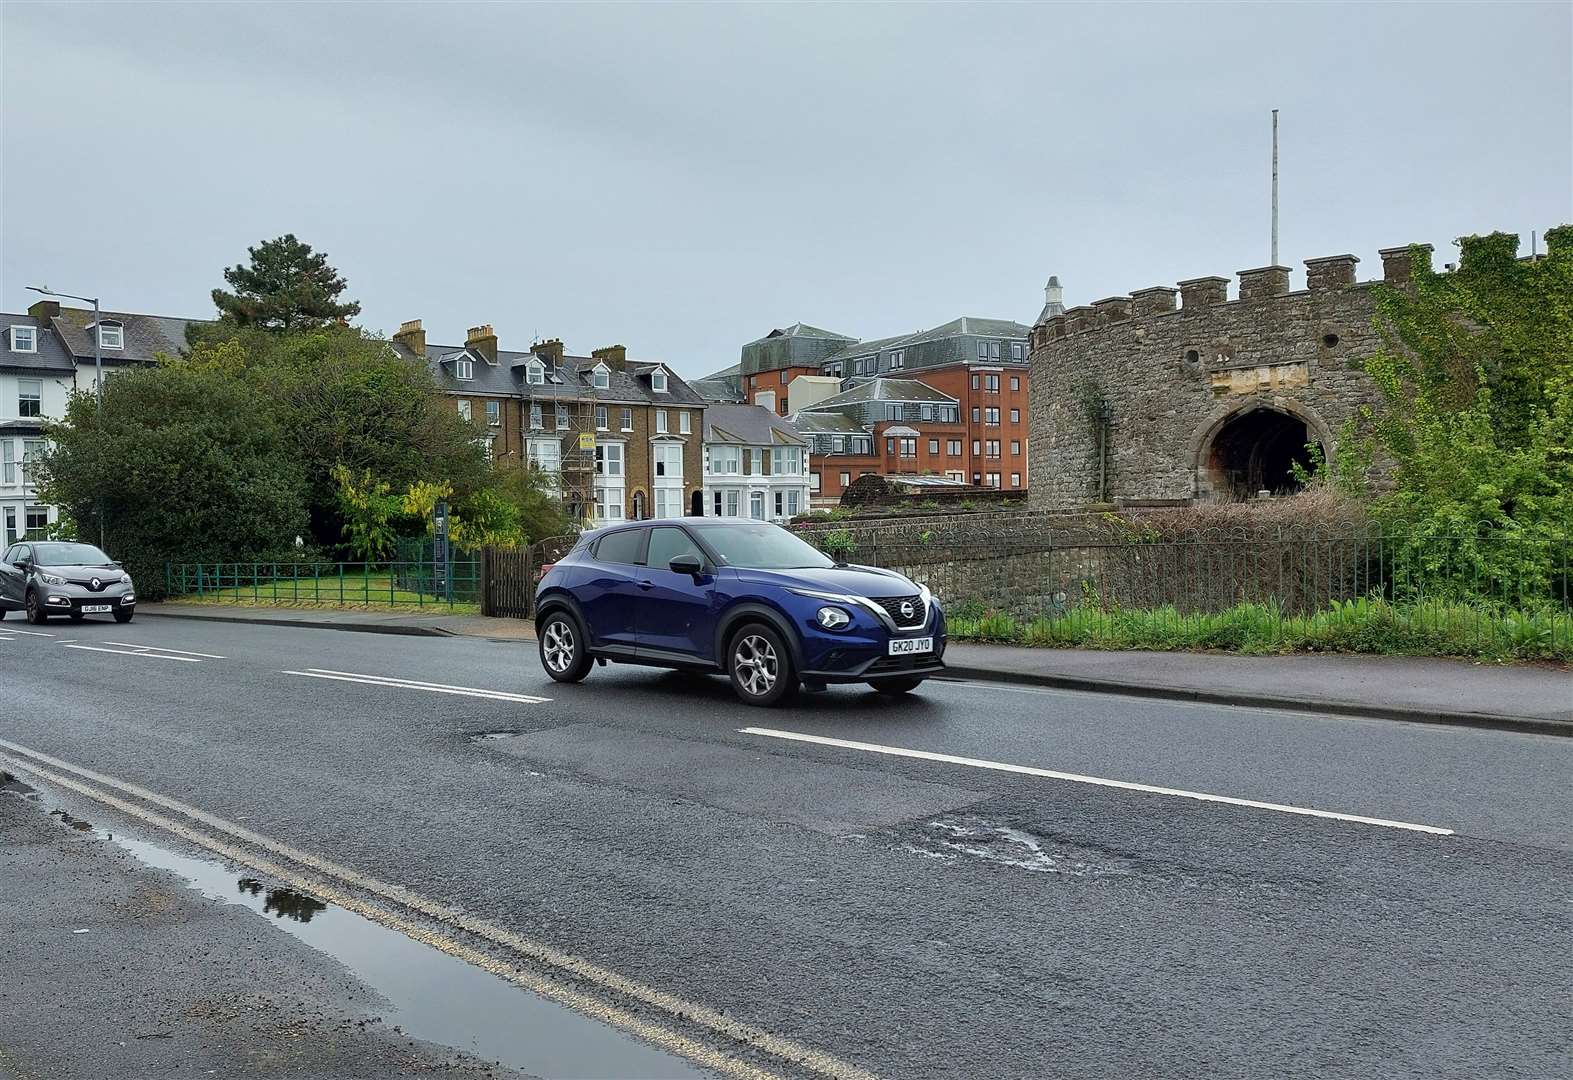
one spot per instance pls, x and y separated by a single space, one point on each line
1252 448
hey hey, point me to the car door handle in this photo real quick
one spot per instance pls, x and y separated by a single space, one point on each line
647 585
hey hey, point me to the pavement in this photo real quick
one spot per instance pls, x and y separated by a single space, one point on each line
983 879
113 968
1525 697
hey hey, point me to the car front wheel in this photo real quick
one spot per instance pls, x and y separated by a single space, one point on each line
124 616
35 610
760 666
897 687
564 654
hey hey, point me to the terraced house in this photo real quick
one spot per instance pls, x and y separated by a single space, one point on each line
756 464
45 355
620 439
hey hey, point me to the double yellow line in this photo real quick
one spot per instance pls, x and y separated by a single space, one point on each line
569 980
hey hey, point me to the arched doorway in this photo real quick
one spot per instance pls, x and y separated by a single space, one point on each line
1255 451
639 514
696 504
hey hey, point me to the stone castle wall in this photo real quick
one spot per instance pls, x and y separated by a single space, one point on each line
1171 376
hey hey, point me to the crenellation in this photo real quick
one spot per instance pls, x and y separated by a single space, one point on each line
1112 309
1264 283
1330 272
1203 292
1397 262
1203 394
1153 301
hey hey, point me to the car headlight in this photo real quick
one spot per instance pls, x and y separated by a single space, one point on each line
52 579
832 618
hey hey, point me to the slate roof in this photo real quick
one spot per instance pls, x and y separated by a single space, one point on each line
569 381
21 427
829 423
883 389
749 425
799 329
50 357
145 335
966 326
725 385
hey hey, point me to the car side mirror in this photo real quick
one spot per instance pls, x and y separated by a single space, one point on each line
686 564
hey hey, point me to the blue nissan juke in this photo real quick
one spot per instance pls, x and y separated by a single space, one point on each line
745 599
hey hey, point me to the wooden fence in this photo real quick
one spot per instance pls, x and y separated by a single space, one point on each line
509 577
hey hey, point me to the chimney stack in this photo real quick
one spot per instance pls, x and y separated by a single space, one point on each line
614 356
550 350
412 337
483 340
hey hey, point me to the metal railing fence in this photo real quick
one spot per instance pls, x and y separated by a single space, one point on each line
417 583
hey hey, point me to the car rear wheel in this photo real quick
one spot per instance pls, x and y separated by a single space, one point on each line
35 610
564 654
761 666
897 687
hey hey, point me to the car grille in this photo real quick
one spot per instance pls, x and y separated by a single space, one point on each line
892 606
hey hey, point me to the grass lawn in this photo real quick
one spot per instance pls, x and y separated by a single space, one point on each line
362 592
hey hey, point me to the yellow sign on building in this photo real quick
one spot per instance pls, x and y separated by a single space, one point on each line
586 440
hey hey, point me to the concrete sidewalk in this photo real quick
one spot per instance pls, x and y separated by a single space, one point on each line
1520 697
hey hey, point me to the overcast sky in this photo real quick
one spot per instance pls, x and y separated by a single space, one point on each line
683 178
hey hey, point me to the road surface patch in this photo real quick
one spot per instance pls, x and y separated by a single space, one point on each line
335 883
1097 781
412 684
770 787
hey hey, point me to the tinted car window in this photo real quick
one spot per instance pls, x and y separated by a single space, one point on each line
622 547
761 547
7 556
20 551
667 542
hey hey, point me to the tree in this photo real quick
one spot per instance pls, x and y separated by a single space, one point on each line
286 287
185 467
1476 381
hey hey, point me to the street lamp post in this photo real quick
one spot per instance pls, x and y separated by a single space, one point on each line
98 370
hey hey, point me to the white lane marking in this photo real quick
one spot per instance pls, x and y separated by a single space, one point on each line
1052 774
138 652
406 684
29 633
574 967
161 648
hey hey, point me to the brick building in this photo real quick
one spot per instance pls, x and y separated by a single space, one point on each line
622 439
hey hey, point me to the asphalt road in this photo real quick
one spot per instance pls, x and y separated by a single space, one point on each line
956 915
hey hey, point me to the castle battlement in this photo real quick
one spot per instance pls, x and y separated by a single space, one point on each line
1263 284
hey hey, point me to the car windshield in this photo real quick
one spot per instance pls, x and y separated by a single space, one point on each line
760 547
69 555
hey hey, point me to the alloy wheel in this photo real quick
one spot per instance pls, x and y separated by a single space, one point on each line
558 646
756 665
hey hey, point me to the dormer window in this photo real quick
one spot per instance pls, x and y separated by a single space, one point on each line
24 339
111 335
464 369
601 377
658 381
535 373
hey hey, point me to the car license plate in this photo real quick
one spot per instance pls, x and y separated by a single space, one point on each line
96 609
906 646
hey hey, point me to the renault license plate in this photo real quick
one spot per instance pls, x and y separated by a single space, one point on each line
907 646
96 609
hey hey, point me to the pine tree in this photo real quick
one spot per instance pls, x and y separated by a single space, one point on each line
286 287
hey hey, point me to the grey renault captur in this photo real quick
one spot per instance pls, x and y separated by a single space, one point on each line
62 577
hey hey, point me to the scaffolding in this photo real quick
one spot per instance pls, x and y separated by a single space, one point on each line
571 421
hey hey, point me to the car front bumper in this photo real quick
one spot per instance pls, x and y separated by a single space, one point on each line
71 600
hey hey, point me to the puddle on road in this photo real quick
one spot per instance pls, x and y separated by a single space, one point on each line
434 996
